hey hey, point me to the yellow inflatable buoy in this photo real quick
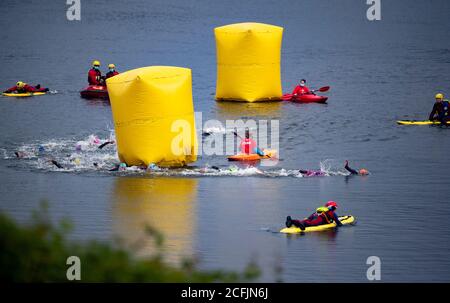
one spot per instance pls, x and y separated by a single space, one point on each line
248 62
153 116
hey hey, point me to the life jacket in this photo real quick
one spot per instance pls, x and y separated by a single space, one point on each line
247 145
94 77
111 74
328 216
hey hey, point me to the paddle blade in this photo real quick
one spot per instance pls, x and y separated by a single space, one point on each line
324 89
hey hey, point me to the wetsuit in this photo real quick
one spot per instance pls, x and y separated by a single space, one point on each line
440 112
351 170
95 77
301 90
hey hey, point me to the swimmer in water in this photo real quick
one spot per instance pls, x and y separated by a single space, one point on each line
106 143
361 172
20 154
120 167
312 173
56 163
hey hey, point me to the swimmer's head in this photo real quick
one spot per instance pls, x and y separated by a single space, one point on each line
78 147
122 166
363 172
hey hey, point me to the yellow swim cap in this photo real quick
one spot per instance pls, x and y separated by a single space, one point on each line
96 63
111 65
20 84
439 96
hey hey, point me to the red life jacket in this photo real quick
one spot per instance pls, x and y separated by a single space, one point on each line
247 146
329 216
300 90
94 77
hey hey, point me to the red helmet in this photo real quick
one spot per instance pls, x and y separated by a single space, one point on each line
331 203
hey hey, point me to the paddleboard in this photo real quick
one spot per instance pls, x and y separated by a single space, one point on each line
345 220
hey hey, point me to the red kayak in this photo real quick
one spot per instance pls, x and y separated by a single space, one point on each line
95 92
306 98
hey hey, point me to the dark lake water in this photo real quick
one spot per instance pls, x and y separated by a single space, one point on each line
378 72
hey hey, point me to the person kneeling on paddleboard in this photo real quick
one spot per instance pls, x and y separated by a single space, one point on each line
440 111
301 89
95 75
323 215
248 145
361 172
112 71
22 87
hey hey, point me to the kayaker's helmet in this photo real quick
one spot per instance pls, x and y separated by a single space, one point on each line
330 204
20 84
439 96
96 63
111 66
363 172
321 209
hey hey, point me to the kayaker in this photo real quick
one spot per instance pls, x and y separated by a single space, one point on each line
248 145
323 215
361 172
112 71
22 87
95 75
301 89
440 111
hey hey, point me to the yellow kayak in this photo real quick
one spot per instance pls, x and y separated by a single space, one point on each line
24 94
417 122
345 220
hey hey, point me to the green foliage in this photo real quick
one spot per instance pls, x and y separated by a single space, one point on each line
38 253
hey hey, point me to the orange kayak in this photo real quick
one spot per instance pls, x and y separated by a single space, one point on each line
253 157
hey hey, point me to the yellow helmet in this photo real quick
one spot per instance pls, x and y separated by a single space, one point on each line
20 84
322 209
439 96
111 65
96 63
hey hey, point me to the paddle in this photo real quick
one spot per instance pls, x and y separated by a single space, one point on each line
322 89
236 134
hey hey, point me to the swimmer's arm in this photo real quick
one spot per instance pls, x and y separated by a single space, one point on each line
336 219
351 170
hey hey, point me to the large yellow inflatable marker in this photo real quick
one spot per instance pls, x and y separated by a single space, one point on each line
153 116
248 62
